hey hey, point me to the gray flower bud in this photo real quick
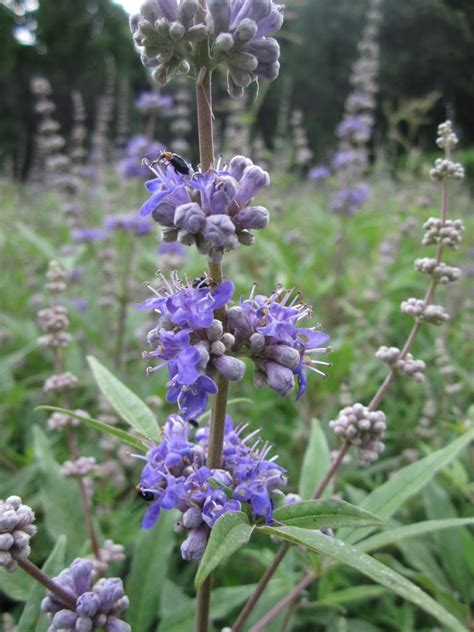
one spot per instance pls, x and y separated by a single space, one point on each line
284 355
279 378
224 42
253 217
192 518
214 332
231 368
218 229
193 547
246 30
190 217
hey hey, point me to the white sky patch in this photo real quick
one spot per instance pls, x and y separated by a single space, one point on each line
132 6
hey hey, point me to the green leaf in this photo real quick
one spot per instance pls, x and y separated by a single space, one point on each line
393 536
369 566
385 500
52 567
128 405
17 586
316 462
59 496
350 595
148 571
123 436
39 243
319 514
230 532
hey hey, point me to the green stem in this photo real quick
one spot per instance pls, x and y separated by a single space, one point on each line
218 414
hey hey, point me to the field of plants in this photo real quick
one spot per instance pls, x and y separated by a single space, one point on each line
236 376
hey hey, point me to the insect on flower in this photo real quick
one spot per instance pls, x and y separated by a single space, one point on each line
144 494
179 164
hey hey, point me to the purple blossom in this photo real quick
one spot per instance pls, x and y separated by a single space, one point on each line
266 329
138 148
189 340
88 234
131 223
354 128
350 199
176 476
211 209
98 605
155 103
318 173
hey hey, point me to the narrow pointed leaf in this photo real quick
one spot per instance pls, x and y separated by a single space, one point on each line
369 566
149 568
230 532
393 536
386 499
316 462
320 514
52 567
128 405
123 436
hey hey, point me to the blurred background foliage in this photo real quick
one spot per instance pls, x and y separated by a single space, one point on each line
427 48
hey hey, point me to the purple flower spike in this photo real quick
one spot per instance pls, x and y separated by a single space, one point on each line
216 219
190 341
176 477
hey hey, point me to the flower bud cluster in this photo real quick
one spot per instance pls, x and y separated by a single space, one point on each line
60 421
441 272
167 32
98 605
266 329
363 429
446 169
82 466
448 233
78 152
210 209
239 39
446 139
190 341
109 553
56 278
60 382
54 322
420 311
175 477
302 154
406 365
16 529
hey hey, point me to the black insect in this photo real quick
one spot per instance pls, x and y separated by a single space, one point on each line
201 282
145 495
180 165
193 423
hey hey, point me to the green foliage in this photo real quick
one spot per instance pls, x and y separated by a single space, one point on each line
323 514
230 532
130 407
315 463
347 554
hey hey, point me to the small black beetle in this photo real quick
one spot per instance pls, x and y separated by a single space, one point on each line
145 495
180 165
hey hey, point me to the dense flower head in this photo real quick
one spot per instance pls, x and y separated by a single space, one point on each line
356 129
16 528
130 223
175 477
167 31
155 103
190 341
266 328
211 209
239 35
138 148
98 605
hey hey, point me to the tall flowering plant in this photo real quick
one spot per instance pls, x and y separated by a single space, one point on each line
222 480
